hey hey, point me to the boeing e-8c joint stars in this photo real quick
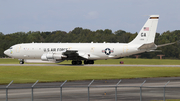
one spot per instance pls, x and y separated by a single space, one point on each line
88 52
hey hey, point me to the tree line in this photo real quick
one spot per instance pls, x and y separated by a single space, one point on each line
86 36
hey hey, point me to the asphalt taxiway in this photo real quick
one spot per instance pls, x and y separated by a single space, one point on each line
99 90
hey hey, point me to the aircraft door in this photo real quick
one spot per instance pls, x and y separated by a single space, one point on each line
18 48
125 49
92 49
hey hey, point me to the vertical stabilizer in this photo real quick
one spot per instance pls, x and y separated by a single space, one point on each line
148 31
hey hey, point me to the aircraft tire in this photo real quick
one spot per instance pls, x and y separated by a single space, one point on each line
91 61
74 62
21 62
79 62
85 61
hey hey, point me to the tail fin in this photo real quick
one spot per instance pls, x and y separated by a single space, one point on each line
148 31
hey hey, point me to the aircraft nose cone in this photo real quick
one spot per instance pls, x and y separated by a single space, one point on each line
6 52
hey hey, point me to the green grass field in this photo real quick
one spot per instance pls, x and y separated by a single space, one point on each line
27 74
114 61
140 61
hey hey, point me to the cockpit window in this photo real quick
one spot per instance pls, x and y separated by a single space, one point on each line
10 48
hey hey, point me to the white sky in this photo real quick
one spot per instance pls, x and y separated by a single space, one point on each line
65 15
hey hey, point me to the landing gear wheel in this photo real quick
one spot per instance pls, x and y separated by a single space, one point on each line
74 62
21 62
85 61
79 62
91 61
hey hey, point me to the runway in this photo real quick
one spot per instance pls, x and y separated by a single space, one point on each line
100 90
94 65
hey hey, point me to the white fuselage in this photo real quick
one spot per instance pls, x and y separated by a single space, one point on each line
94 50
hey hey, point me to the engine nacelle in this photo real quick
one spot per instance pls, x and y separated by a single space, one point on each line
41 61
50 56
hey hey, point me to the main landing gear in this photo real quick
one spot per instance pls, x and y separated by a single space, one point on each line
76 62
80 62
21 61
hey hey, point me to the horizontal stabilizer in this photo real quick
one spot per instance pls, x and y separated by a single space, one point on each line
147 46
166 44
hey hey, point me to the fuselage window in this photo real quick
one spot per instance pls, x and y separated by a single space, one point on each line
10 48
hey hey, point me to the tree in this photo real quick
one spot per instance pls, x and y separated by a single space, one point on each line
79 34
120 32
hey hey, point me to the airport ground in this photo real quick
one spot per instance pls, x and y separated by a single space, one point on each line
131 61
100 90
156 74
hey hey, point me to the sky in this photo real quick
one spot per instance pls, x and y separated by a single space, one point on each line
65 15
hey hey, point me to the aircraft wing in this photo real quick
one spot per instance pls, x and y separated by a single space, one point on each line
74 54
70 51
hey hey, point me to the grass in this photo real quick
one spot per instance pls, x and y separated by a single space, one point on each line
140 61
8 61
27 74
114 61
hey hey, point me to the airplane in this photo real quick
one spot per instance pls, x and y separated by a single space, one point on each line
88 52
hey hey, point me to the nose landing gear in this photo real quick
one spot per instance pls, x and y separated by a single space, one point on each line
21 61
